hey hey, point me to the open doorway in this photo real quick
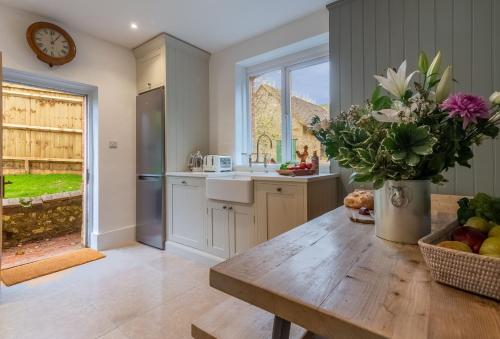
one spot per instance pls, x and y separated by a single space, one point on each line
43 166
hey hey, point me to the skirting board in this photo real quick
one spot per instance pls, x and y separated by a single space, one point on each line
192 253
113 239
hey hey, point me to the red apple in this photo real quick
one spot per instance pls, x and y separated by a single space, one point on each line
469 236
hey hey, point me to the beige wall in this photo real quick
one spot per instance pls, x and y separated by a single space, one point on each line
223 66
112 69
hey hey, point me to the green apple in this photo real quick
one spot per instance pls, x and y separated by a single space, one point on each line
491 247
479 224
494 231
455 245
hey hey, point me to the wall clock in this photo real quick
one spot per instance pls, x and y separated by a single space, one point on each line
51 44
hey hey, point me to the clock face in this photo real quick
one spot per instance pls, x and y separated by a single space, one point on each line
52 43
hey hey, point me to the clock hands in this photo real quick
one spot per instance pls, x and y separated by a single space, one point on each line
53 41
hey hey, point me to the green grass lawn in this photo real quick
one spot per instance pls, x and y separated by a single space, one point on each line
34 185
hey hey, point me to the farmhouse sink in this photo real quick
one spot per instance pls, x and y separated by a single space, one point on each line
233 188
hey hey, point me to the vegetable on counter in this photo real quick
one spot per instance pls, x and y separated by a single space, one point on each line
285 165
482 205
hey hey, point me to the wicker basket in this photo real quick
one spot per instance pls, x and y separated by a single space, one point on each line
467 271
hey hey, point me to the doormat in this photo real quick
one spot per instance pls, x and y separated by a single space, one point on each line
18 274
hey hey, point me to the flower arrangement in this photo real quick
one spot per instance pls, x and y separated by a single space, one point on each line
409 132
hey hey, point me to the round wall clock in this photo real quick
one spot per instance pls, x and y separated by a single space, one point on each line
51 44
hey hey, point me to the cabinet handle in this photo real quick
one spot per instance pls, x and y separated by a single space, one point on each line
278 189
230 208
224 207
183 182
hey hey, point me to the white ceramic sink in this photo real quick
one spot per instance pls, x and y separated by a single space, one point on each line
234 188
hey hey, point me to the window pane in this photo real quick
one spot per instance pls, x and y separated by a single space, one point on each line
265 102
309 95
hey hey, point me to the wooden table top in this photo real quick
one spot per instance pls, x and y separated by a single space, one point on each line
337 279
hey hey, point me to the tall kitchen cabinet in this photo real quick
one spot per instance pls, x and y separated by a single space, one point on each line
182 69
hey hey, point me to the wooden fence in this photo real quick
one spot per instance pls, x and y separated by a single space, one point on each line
42 131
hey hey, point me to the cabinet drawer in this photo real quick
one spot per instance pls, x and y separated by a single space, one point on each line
189 181
280 188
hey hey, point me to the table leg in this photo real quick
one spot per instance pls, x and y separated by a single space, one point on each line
281 328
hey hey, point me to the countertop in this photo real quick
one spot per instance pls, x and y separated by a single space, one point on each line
257 176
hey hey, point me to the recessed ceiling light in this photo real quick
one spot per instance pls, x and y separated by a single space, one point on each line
133 25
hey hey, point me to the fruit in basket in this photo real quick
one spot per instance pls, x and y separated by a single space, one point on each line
494 231
470 236
455 245
491 247
480 224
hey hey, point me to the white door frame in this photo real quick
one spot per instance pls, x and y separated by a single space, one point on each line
91 136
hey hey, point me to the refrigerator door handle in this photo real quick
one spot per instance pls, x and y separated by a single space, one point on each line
149 178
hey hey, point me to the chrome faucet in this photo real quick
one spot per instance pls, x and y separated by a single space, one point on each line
249 160
263 135
265 162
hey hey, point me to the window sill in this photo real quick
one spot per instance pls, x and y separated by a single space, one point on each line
323 168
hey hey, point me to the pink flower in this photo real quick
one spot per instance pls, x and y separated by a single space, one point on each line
466 106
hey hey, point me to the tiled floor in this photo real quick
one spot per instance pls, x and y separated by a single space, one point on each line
135 292
42 249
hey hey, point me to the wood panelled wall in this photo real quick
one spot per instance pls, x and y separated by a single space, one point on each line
367 36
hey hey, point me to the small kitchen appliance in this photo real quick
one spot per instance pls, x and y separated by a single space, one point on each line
196 162
217 163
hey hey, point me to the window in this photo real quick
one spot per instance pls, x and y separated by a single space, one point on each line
309 88
266 119
282 100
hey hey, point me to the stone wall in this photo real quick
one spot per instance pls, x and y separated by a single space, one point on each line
41 218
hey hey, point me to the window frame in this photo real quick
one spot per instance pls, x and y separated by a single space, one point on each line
286 65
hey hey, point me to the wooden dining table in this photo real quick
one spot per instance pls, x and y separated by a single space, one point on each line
336 279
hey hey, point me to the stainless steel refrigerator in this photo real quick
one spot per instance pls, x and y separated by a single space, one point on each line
151 180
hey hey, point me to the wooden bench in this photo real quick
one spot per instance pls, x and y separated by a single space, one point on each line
234 318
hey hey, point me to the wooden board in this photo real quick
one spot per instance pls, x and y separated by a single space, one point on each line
41 124
337 279
236 319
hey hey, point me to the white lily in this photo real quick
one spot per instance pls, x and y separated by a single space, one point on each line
396 83
495 118
433 70
495 98
443 88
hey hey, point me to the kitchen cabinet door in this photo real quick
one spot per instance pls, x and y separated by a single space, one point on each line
242 231
151 70
218 229
279 208
187 210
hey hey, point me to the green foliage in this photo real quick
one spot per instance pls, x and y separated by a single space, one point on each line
482 205
414 140
35 185
380 101
408 143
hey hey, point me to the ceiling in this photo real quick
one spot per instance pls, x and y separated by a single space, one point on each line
209 24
